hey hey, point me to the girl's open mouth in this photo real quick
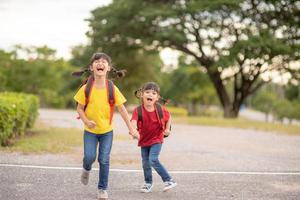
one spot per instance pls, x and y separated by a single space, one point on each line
100 69
149 99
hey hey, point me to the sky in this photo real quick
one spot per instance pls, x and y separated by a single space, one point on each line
59 24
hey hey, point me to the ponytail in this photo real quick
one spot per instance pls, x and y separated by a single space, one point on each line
118 73
164 101
79 73
138 93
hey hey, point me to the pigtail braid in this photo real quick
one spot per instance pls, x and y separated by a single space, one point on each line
138 93
118 73
80 73
164 101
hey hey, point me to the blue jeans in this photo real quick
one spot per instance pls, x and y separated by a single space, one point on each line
90 146
150 159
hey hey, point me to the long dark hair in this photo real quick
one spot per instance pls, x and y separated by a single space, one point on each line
151 86
97 56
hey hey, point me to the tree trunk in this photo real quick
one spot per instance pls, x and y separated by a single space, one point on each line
231 110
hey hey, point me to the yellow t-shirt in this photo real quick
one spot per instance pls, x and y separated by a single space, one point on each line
98 108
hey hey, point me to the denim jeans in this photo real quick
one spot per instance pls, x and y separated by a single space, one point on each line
150 159
90 146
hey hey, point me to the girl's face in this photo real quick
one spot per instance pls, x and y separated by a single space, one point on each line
150 97
100 67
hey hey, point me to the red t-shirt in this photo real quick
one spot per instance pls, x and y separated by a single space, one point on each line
151 132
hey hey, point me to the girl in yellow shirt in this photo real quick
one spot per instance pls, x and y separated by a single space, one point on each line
96 116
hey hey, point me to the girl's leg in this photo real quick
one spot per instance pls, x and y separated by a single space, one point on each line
159 168
90 146
146 164
105 143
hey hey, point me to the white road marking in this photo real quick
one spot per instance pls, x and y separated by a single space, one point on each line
172 172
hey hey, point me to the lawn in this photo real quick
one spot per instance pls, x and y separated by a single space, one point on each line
240 123
42 139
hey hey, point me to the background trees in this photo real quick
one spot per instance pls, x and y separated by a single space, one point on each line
36 70
229 50
246 39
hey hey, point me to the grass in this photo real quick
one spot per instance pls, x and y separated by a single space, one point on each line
42 139
240 123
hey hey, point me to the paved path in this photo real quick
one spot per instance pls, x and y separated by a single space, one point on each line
227 163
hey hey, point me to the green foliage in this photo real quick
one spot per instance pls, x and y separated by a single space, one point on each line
18 112
270 102
188 84
292 92
282 109
40 73
176 111
243 35
264 101
295 111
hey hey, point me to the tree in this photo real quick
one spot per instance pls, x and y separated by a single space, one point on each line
36 70
244 37
264 102
292 92
192 87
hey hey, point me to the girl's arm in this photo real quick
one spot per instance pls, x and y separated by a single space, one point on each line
168 127
134 123
89 123
125 116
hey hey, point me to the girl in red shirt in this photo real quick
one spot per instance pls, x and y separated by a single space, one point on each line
152 128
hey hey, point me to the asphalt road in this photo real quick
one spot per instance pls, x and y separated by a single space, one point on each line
47 184
206 162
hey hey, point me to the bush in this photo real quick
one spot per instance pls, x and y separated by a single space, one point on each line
18 112
176 111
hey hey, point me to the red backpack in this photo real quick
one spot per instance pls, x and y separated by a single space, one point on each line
110 94
159 114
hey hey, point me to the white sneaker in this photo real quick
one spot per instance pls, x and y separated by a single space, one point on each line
169 185
85 177
146 187
102 195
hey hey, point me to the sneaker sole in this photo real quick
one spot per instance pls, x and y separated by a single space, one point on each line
169 187
145 191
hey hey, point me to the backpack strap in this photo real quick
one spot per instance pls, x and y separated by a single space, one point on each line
110 98
160 115
88 90
140 117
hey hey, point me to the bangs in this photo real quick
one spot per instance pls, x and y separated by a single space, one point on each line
151 86
98 56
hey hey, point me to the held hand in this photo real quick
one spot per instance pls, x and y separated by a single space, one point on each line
167 133
90 124
135 134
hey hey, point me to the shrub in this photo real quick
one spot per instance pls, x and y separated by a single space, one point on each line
18 112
